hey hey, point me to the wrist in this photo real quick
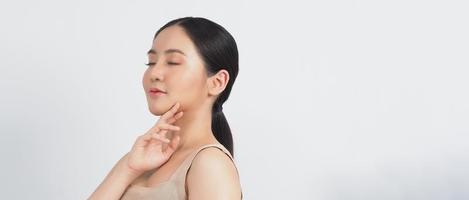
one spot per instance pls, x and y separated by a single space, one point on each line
125 169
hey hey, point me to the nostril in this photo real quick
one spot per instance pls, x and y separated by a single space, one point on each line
155 78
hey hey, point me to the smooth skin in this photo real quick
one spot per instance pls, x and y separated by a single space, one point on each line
185 125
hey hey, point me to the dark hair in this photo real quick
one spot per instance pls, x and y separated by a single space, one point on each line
219 51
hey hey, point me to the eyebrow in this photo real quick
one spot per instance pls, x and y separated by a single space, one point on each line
152 51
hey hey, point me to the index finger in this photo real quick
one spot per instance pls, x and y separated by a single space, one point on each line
170 112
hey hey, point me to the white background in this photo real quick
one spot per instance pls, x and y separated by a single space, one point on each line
336 99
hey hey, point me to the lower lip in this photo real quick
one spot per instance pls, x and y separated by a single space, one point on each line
156 94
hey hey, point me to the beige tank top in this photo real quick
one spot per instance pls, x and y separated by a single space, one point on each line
172 189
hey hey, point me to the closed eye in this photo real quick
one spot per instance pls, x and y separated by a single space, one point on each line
169 63
150 64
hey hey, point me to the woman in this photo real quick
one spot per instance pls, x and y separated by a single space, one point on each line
187 154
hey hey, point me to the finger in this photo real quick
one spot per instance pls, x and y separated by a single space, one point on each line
179 115
172 146
163 133
142 140
175 117
175 142
170 112
169 127
160 138
155 128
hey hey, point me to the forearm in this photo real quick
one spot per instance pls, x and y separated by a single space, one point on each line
115 183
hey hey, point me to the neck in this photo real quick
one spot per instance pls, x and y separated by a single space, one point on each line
196 128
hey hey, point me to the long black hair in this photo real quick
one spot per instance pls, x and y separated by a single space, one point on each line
218 50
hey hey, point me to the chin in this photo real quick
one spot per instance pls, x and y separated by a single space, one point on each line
158 108
156 112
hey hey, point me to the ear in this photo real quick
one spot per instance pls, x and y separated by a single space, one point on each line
217 82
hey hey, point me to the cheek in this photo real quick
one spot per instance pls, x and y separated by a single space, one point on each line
188 88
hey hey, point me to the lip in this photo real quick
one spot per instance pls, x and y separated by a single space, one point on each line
154 92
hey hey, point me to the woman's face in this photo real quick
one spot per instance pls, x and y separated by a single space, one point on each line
177 70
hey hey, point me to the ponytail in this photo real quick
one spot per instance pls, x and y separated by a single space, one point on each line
220 128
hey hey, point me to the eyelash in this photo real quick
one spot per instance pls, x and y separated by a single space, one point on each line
169 63
149 64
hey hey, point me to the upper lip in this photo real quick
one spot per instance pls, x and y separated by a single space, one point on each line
154 89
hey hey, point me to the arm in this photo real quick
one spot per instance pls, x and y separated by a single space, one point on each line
213 175
115 183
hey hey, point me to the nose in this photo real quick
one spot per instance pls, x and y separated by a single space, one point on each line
156 73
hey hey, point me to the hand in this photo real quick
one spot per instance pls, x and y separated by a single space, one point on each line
153 149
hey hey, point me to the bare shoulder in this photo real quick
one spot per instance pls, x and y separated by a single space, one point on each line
213 175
